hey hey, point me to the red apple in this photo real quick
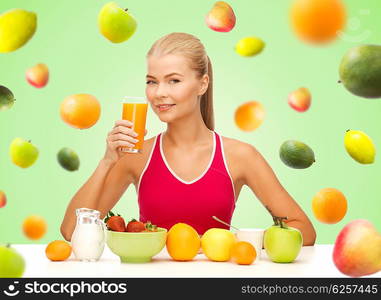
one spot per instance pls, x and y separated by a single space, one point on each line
221 17
300 99
357 250
38 75
3 199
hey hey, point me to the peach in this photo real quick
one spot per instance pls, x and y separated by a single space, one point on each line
221 17
3 199
357 250
300 99
38 75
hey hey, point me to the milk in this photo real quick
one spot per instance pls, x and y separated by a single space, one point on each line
88 239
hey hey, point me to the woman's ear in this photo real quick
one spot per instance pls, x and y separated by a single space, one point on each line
204 84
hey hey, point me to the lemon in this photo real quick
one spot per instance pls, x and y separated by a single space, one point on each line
17 26
359 146
249 46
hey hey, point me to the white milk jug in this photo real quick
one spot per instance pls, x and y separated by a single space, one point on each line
88 239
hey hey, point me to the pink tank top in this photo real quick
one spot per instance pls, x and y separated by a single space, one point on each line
165 199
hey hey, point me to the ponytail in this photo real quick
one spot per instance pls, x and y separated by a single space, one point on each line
206 104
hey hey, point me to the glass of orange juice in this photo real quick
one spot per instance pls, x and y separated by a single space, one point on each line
135 111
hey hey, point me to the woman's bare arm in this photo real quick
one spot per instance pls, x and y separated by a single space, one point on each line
261 179
101 191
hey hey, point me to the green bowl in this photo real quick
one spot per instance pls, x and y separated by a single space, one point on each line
136 247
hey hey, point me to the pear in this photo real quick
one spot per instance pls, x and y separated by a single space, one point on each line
17 26
116 24
221 17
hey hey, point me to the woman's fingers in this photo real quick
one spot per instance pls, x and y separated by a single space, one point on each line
122 137
117 144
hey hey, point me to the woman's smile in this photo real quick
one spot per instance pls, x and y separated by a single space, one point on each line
165 107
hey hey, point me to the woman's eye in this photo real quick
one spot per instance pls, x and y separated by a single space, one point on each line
174 81
149 82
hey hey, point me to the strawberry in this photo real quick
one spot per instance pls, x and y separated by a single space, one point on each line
135 226
115 223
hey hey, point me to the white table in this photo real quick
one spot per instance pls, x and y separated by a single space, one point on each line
313 261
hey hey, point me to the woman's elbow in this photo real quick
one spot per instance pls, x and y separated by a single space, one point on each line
65 233
310 238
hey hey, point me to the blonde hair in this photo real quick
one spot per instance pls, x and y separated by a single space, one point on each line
190 47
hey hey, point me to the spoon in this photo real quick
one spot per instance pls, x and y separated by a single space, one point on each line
217 219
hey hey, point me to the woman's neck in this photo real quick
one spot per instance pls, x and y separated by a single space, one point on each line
188 133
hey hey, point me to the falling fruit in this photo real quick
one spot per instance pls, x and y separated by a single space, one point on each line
249 46
359 146
38 75
12 264
357 249
58 250
116 24
34 227
221 17
17 26
3 199
317 21
80 111
23 153
329 205
68 159
360 71
249 116
296 154
183 242
6 98
300 99
243 253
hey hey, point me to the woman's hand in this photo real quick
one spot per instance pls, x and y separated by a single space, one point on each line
122 135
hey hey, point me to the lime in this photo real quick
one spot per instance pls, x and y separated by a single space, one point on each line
68 159
6 98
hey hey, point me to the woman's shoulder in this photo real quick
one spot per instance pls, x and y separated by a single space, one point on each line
237 148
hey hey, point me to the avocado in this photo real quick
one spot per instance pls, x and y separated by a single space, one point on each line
360 71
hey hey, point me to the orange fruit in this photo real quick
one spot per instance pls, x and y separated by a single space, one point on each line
243 253
317 21
80 111
58 250
249 116
329 205
34 227
183 242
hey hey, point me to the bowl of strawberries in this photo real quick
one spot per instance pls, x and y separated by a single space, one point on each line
135 241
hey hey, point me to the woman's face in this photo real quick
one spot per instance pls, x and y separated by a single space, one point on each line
173 87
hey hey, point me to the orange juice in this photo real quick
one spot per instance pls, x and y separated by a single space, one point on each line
136 112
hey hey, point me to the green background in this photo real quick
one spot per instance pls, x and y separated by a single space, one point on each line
81 60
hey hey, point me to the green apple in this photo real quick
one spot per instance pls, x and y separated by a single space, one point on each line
23 153
12 264
116 24
282 243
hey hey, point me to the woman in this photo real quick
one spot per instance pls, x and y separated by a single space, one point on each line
188 173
